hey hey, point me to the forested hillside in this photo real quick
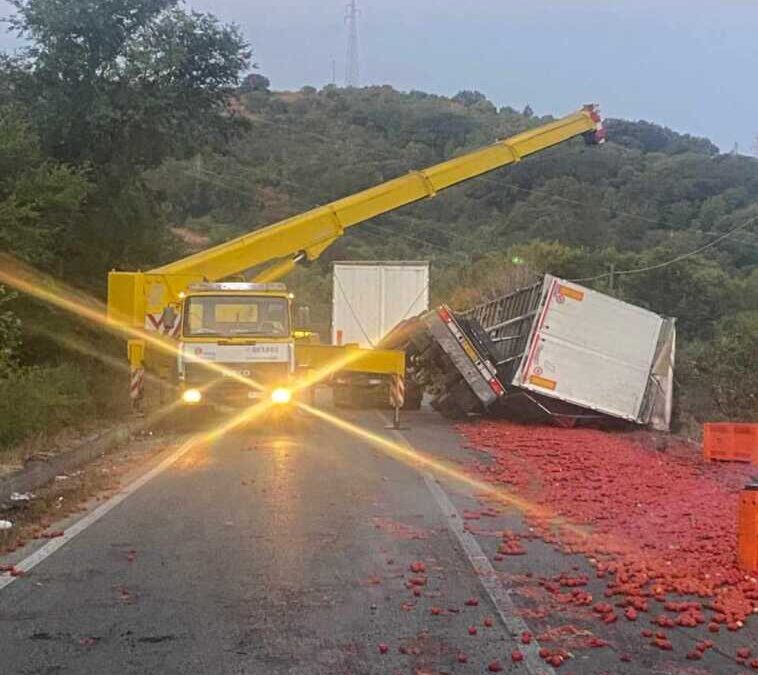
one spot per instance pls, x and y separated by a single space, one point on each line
635 205
91 179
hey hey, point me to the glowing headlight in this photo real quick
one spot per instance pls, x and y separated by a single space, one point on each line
192 396
281 396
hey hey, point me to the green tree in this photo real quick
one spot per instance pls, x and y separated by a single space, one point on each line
39 198
123 84
10 334
697 291
719 376
116 87
469 98
255 82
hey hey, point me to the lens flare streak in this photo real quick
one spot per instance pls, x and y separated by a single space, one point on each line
32 282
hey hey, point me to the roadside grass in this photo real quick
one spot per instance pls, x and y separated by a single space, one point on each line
76 492
37 402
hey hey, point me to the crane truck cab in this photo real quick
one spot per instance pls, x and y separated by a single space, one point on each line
236 344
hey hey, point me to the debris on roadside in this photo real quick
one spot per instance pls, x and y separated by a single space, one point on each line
660 532
34 513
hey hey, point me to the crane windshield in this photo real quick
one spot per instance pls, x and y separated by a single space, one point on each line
235 316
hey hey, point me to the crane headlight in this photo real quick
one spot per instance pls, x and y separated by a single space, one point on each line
192 396
281 396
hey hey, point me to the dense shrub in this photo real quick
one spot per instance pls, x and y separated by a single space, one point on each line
41 400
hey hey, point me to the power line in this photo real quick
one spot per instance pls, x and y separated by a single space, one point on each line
613 211
485 179
463 256
679 258
218 179
424 242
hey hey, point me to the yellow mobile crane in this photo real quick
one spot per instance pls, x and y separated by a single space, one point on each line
246 328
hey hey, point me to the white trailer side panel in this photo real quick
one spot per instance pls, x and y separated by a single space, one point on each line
371 298
590 349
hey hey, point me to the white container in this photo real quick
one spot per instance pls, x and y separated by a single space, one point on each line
595 351
371 298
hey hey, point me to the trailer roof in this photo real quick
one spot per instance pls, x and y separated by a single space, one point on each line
380 263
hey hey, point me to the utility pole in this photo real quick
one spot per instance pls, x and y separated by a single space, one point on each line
334 71
352 68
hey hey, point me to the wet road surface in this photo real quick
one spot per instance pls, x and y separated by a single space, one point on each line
300 550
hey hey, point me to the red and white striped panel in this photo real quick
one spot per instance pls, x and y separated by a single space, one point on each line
601 133
136 383
397 391
154 324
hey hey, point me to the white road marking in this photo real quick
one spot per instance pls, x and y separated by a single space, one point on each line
79 526
495 589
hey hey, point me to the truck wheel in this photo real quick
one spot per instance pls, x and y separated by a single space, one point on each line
465 399
414 394
448 407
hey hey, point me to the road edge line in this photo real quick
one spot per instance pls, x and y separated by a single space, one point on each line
44 552
484 570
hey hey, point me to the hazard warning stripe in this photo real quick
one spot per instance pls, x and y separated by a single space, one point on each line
136 383
397 391
154 323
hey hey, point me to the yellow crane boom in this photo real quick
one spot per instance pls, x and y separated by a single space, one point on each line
137 299
309 233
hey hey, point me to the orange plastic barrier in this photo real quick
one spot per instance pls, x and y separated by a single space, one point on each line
747 543
726 441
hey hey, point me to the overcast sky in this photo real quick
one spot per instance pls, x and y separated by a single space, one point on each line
688 64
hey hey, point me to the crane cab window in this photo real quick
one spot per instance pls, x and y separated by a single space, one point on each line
235 316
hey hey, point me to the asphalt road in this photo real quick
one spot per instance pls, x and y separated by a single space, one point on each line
289 551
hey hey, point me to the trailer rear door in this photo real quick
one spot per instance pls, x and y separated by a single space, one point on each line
372 297
590 349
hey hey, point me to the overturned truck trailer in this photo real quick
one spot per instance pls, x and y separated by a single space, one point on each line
554 349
